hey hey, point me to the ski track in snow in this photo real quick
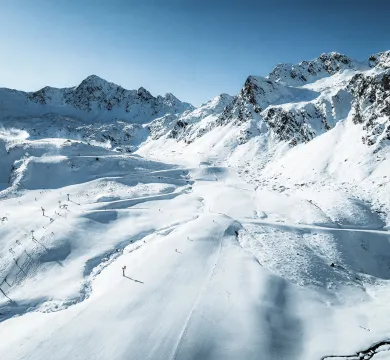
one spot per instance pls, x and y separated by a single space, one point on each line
187 322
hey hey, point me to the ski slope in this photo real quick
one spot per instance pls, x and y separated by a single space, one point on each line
216 269
253 227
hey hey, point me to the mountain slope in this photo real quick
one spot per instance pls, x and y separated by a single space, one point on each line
310 71
296 112
254 226
94 99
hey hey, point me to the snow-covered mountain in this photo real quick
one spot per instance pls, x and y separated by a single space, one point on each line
296 111
255 226
94 99
310 71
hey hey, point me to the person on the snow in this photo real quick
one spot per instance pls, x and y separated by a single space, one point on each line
43 211
123 270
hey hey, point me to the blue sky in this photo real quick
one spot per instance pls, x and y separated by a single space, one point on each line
194 49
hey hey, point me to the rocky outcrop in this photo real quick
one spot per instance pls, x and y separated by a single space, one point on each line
290 126
308 71
191 124
257 94
371 106
381 60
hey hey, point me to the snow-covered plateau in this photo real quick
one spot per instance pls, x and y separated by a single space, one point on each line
255 226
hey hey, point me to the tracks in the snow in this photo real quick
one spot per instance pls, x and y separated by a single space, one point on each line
94 266
315 227
197 300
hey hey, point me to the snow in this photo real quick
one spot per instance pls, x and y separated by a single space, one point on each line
93 99
237 245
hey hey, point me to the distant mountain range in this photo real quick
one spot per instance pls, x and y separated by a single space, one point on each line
293 104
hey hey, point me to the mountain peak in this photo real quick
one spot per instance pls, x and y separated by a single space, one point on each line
144 94
170 96
311 70
218 101
332 54
94 79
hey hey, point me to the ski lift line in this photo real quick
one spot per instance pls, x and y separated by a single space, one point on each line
18 242
36 241
5 294
19 267
21 271
29 260
5 281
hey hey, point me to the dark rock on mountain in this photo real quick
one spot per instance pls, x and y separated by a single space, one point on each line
371 106
94 99
307 71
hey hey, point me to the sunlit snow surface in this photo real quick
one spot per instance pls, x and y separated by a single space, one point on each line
236 247
217 267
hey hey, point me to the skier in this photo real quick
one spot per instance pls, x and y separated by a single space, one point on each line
43 211
123 270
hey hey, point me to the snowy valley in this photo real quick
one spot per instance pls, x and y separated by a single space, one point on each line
255 226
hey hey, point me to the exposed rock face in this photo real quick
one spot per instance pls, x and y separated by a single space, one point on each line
290 126
291 108
371 106
307 71
191 124
257 94
382 60
301 123
292 114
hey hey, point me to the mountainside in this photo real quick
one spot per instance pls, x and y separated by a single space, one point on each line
310 71
297 111
255 226
93 100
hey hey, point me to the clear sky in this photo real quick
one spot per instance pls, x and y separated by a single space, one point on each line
195 49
